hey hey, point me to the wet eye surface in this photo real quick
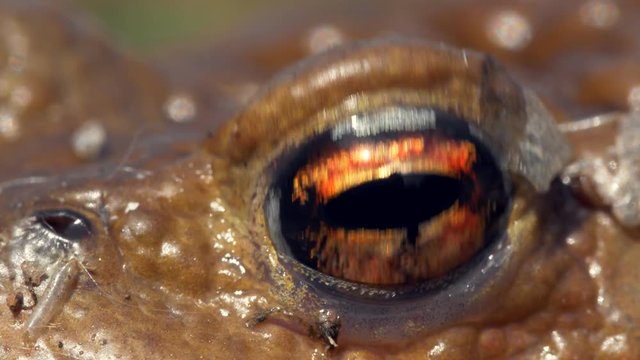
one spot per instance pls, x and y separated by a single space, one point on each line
65 225
391 199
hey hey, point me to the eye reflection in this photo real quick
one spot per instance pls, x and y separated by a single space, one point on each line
395 204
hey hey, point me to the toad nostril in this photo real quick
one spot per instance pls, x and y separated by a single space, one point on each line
66 224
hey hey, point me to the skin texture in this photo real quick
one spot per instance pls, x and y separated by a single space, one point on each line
179 263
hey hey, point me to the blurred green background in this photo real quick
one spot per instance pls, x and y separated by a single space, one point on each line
150 25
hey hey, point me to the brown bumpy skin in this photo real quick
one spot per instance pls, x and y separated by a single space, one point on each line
179 263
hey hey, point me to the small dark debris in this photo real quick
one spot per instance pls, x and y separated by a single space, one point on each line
103 342
127 297
16 303
60 345
260 317
35 282
33 276
327 327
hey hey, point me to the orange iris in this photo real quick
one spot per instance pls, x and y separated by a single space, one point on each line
387 256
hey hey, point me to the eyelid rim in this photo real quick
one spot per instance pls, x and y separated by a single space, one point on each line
516 123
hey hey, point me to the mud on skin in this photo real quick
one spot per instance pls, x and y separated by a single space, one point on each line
141 201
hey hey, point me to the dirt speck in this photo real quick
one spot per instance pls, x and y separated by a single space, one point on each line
15 302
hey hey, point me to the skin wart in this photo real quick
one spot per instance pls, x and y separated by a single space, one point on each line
179 263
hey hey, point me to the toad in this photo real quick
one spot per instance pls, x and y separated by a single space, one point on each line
362 182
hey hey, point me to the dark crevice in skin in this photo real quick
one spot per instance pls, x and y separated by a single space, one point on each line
560 202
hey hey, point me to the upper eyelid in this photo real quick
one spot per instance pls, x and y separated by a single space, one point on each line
511 117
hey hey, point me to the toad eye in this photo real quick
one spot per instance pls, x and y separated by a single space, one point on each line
399 198
66 226
48 235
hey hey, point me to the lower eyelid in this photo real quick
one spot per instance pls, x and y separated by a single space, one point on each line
389 319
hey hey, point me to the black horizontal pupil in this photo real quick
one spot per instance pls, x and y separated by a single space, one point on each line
398 201
65 223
